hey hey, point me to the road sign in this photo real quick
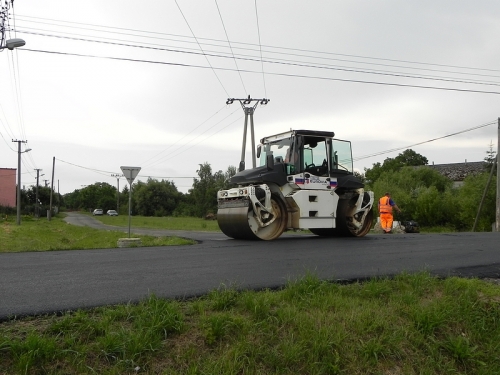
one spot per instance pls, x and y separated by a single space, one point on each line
130 173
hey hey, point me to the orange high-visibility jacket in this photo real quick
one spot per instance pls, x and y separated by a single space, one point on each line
384 206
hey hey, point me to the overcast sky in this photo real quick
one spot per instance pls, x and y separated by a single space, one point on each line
104 84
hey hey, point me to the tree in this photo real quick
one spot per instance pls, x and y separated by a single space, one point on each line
422 193
490 159
469 198
203 195
99 195
404 159
155 198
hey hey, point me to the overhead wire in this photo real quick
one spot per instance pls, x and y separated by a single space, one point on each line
423 142
168 156
268 46
201 48
10 133
107 173
290 63
187 50
232 53
145 163
269 73
18 87
260 50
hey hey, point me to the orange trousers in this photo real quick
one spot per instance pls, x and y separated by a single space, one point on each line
386 222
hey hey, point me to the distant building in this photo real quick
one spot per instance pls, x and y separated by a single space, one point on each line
457 172
8 187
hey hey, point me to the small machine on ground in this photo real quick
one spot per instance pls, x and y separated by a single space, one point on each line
305 181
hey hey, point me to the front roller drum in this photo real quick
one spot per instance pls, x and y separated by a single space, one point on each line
240 222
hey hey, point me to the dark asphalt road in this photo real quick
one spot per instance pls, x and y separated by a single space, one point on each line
44 282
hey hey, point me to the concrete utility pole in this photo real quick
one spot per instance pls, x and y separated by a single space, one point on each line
117 190
51 188
37 208
18 220
249 111
497 217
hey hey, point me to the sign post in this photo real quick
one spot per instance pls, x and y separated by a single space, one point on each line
130 174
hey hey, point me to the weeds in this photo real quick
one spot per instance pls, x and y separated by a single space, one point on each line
412 324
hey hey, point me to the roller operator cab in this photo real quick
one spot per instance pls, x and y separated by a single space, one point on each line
305 181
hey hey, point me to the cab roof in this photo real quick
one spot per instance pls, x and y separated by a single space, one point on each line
288 134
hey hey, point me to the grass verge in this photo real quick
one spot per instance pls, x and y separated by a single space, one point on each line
167 222
412 324
44 235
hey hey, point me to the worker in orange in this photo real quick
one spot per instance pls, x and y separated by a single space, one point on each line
385 207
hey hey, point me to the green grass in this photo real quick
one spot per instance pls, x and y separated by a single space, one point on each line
412 324
169 222
44 235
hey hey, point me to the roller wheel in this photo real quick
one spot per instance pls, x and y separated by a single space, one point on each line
240 223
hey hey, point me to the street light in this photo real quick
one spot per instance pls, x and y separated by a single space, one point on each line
19 152
13 43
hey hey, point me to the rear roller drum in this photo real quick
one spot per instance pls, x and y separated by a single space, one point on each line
344 225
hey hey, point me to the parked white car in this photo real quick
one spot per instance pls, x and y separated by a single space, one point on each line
112 213
97 211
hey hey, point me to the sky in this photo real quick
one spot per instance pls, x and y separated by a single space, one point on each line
104 84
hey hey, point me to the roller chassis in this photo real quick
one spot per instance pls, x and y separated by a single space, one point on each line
274 198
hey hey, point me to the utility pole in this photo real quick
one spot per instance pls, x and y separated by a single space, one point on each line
52 188
497 217
18 220
37 208
249 111
117 190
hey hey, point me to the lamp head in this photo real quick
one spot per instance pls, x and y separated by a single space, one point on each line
14 43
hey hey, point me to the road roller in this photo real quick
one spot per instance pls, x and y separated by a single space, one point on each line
303 180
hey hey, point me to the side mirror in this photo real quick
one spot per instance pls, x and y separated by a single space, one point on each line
242 166
258 151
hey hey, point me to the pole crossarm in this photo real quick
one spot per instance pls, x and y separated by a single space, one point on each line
247 101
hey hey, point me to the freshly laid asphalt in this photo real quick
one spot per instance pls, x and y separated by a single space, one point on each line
34 283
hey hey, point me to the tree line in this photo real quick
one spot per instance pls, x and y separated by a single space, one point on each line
424 194
155 197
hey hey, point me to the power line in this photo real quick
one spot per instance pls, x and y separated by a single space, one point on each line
199 45
288 62
227 38
145 162
260 49
269 73
186 50
268 46
166 157
424 142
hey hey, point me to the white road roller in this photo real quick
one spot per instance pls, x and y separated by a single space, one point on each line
305 181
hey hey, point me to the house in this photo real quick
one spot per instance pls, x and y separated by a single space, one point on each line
457 172
8 187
